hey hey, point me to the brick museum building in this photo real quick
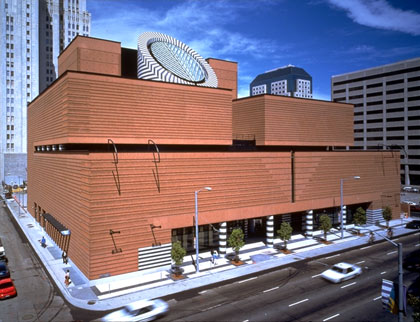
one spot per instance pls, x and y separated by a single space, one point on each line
121 142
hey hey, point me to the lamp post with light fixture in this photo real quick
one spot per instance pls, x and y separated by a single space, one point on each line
197 260
341 201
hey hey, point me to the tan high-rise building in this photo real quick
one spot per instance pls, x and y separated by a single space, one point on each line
386 110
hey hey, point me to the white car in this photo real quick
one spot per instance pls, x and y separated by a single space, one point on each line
341 272
144 310
411 203
410 189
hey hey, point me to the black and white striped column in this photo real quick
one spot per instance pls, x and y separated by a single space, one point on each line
270 231
222 238
309 223
344 215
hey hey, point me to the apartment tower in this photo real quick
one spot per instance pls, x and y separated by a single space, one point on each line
386 103
33 34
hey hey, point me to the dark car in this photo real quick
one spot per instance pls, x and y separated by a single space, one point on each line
4 270
414 288
412 261
415 224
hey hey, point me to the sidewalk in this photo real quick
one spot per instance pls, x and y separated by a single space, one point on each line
112 292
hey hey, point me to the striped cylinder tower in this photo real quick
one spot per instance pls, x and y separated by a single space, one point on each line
222 238
309 223
344 215
270 231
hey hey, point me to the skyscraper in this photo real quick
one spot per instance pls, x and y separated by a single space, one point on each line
286 81
35 33
386 110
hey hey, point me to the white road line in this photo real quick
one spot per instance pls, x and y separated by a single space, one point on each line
395 239
211 307
331 317
366 247
202 292
417 245
383 273
377 298
392 252
316 275
344 286
249 279
332 256
416 234
271 289
360 262
245 321
298 302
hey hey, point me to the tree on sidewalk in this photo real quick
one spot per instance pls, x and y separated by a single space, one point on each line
359 217
387 214
236 241
325 225
177 254
285 233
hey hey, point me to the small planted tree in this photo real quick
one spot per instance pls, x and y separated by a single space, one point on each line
285 233
325 224
360 216
177 254
387 214
236 241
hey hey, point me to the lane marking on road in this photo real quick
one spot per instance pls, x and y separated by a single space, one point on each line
366 247
298 302
344 286
245 321
271 289
383 273
331 317
417 245
249 279
416 234
395 239
377 298
332 256
211 307
360 262
316 275
202 292
390 253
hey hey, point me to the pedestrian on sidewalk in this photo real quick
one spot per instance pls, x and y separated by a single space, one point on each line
43 242
64 257
67 279
214 257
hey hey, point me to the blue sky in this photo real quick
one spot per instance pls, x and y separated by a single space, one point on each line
325 37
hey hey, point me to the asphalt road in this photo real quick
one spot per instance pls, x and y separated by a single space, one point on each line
298 293
37 300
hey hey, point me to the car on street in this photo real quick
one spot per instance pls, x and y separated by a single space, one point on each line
414 288
414 224
7 288
410 189
341 272
4 270
408 202
412 261
143 310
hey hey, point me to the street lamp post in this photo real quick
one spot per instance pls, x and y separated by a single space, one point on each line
197 260
341 202
400 276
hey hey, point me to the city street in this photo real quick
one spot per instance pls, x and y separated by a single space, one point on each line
37 300
299 293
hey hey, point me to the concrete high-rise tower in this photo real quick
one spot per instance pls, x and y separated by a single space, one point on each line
32 35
